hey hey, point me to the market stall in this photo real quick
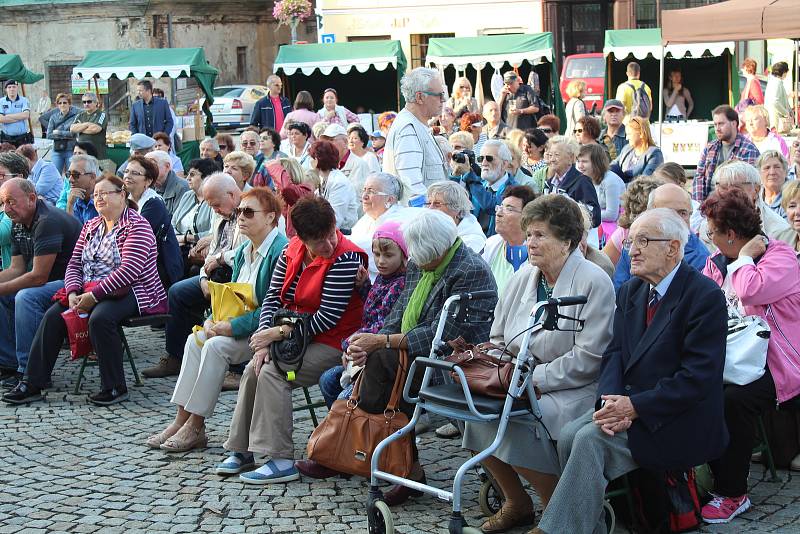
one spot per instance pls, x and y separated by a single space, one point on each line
154 63
490 54
365 74
704 66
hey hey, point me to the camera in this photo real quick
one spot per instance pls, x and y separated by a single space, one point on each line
463 156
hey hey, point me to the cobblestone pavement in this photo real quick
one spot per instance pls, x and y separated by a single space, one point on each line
67 466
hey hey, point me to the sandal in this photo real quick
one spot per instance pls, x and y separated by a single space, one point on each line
156 440
506 519
186 439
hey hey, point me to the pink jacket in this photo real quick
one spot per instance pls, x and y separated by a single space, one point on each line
773 282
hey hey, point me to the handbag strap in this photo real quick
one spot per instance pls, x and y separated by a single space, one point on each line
399 379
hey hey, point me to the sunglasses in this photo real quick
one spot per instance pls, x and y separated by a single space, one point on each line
63 102
578 130
546 130
249 143
84 102
489 159
248 213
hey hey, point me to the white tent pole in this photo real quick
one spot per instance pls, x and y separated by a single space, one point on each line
660 89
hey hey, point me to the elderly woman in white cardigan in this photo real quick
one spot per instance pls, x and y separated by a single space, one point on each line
567 364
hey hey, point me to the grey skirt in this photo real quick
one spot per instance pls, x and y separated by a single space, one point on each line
525 444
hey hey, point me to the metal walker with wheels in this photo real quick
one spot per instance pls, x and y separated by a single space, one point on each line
455 401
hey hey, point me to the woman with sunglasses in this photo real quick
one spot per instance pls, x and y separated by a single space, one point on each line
226 145
332 112
139 176
112 276
462 100
58 131
208 353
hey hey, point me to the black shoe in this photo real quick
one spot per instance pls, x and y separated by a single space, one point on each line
11 381
107 397
22 394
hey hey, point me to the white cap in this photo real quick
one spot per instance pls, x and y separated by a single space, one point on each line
334 130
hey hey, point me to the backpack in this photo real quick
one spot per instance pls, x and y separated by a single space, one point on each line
642 106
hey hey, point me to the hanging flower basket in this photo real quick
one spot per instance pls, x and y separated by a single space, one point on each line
292 11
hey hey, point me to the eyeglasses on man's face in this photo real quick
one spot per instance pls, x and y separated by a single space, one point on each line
641 242
76 174
431 93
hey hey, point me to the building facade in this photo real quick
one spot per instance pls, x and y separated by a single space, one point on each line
240 37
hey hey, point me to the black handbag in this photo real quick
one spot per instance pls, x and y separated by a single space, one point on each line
60 145
287 354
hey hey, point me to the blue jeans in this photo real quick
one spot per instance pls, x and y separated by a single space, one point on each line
331 388
61 160
20 316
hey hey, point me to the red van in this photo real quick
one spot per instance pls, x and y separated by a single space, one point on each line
591 68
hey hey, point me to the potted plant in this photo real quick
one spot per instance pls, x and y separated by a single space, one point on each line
292 13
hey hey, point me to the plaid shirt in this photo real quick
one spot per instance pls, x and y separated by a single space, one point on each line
467 272
743 149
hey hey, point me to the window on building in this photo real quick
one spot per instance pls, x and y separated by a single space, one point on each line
419 46
59 78
354 38
647 10
241 64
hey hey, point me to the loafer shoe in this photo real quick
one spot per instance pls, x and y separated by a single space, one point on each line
107 397
186 439
236 463
506 519
448 431
397 495
22 394
271 475
312 469
166 367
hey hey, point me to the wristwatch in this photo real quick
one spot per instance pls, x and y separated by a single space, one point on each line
388 342
282 332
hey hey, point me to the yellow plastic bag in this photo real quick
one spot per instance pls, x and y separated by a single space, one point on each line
228 301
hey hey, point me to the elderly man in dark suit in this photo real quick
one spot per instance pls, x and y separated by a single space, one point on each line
660 400
150 114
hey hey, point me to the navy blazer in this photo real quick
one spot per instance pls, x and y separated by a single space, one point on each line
671 370
170 262
580 188
162 118
264 115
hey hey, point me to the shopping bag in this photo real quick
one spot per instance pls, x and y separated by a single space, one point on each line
78 333
230 300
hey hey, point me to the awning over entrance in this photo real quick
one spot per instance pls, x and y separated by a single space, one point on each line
12 68
740 20
494 50
644 42
343 57
150 62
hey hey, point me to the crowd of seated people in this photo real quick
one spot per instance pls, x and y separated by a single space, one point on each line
315 225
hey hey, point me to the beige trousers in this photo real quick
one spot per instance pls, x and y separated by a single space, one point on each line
203 371
262 421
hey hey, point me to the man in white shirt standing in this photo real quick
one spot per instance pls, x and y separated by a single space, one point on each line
411 153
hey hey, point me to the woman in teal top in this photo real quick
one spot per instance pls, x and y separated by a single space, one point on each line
506 251
209 352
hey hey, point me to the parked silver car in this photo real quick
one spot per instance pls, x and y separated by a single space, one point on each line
233 104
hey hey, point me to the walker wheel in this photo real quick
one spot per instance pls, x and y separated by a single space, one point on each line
611 517
490 498
379 518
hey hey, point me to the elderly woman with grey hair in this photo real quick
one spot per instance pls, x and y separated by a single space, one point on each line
410 152
564 178
773 168
440 265
451 199
741 175
566 364
379 202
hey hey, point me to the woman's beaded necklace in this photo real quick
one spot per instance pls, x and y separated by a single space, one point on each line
546 287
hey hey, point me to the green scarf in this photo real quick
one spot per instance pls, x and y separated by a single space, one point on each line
420 295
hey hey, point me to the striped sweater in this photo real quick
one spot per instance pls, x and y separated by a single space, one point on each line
137 270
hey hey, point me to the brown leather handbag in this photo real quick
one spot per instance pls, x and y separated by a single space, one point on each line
487 375
347 437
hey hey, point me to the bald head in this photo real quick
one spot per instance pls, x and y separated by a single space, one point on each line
18 195
221 193
672 197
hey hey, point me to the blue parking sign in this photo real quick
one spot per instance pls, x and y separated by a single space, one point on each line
328 38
